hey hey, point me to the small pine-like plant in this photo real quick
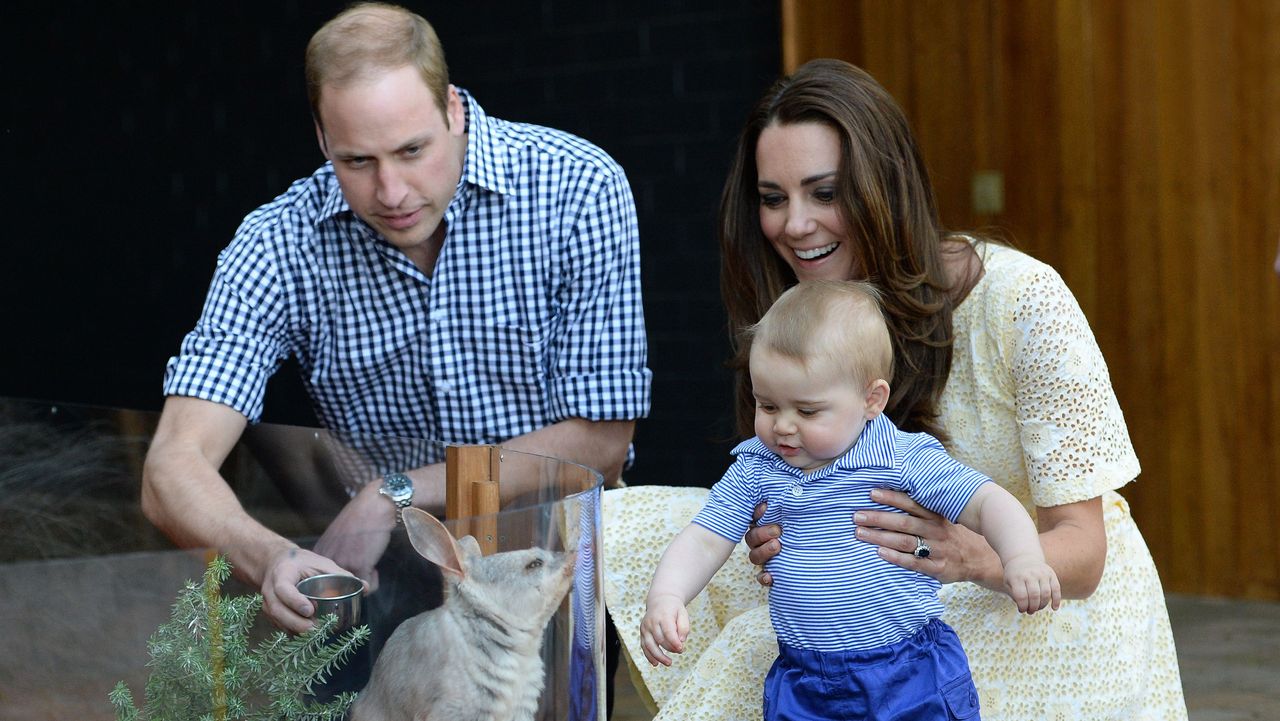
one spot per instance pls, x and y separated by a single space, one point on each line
203 668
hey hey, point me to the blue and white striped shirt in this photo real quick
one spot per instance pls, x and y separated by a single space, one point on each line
532 314
831 592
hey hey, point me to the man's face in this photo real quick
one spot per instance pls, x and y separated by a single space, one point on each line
398 158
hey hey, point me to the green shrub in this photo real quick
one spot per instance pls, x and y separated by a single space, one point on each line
203 668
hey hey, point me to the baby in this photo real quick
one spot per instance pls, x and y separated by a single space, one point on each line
857 635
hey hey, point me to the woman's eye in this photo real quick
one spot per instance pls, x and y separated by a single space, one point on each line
825 195
771 200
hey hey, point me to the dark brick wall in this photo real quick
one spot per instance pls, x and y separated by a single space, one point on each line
136 141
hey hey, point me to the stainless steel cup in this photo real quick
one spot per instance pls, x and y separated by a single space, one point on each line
334 593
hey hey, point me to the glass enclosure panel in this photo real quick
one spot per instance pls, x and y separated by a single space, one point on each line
86 580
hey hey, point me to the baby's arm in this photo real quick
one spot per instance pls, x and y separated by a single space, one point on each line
685 569
997 515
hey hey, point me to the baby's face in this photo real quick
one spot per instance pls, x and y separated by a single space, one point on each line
808 416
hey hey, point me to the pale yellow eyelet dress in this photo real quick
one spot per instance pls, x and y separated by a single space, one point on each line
1030 403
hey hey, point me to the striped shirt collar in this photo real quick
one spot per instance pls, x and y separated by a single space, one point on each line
875 448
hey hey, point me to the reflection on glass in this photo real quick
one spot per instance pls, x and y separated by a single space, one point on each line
85 579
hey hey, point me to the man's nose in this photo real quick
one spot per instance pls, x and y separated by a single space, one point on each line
391 188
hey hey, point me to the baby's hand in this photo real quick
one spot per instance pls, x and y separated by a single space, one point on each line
1033 584
664 628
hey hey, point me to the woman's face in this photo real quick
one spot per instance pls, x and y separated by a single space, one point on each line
798 174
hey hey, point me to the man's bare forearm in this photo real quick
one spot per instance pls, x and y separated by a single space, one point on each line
186 498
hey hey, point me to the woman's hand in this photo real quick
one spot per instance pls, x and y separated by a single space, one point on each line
764 544
955 552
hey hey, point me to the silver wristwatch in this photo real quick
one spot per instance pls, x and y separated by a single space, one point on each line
399 488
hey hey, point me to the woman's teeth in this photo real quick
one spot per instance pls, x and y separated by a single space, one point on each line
815 252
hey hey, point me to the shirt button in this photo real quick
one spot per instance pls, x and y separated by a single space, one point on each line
445 386
797 490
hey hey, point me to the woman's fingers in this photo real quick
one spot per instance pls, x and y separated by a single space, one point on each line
759 554
902 502
900 541
897 499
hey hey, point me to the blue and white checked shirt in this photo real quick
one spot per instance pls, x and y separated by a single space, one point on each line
532 315
831 592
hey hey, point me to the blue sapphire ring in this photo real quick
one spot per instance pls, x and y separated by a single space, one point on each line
922 548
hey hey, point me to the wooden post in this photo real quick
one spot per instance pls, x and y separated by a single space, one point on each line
471 489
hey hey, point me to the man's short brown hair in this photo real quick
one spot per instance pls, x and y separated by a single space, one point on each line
374 36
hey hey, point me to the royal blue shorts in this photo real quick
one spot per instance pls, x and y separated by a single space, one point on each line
921 678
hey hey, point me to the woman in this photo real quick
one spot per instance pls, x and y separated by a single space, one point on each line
993 356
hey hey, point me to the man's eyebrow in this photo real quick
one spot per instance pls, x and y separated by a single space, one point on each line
411 142
415 141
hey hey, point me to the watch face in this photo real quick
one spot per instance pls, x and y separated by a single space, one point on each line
398 487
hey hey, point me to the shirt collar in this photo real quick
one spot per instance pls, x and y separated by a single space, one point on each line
487 163
874 449
335 202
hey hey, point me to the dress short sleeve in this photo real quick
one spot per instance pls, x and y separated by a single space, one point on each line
1073 435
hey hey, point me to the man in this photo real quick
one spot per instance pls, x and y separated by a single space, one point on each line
445 275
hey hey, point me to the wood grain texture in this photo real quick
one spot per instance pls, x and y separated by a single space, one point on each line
1139 143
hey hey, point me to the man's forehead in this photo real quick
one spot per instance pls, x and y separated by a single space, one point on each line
404 84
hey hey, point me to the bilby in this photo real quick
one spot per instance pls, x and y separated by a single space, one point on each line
478 655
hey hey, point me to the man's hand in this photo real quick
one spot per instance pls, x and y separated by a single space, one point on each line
285 607
359 534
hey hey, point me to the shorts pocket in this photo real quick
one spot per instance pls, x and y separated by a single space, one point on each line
961 697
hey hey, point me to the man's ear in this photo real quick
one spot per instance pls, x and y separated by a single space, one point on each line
324 146
453 113
877 398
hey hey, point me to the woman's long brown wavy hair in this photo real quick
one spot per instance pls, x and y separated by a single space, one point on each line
886 201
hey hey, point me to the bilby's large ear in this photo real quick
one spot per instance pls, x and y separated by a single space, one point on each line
434 542
470 547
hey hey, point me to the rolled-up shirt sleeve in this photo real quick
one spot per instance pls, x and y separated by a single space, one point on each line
239 342
600 352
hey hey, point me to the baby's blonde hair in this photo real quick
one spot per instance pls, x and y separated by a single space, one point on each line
829 322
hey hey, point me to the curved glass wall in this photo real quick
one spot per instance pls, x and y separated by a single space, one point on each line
86 580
